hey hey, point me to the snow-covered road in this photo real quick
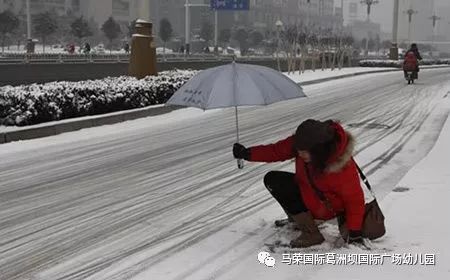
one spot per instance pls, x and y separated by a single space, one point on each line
161 198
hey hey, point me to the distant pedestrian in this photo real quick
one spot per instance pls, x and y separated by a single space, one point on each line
126 47
71 48
87 48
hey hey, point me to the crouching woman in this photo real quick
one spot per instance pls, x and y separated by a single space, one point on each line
326 182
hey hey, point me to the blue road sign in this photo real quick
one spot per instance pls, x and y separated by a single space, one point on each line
230 4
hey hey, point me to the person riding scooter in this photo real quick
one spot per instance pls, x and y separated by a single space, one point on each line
411 61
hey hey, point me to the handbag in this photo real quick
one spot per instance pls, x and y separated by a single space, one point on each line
373 226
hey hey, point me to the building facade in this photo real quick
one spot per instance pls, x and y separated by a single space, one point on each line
61 7
262 16
363 29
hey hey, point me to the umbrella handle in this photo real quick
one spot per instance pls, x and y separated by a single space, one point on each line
240 163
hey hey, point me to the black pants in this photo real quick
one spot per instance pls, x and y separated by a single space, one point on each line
285 190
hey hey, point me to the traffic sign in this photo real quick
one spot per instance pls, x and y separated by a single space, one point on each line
230 4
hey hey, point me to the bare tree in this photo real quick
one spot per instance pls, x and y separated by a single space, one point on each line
207 32
241 36
224 36
165 33
45 24
80 28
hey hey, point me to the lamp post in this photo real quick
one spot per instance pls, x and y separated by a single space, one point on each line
30 43
308 20
188 24
187 28
410 13
434 18
216 32
279 25
394 48
369 4
28 20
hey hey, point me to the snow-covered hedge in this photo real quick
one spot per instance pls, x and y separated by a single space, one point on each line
399 63
380 63
38 103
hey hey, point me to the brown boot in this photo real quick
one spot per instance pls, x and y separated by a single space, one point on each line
284 222
310 235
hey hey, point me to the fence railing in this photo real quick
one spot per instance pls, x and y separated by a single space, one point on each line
24 58
102 58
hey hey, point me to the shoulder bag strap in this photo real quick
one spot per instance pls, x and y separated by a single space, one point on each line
318 192
363 176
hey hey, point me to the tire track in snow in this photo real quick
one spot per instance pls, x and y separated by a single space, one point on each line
130 193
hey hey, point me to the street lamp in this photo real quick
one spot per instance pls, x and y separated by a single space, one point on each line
188 25
28 20
279 25
30 43
434 18
410 13
187 28
369 4
394 48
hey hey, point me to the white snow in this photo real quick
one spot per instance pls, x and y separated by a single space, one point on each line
417 223
310 75
161 198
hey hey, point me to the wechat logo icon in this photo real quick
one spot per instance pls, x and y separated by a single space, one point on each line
265 258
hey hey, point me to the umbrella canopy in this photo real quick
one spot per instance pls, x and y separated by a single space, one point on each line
234 85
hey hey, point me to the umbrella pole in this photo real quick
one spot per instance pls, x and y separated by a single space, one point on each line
237 124
240 162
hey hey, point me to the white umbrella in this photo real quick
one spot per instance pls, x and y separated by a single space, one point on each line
234 85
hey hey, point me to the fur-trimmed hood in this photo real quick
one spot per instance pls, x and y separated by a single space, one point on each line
344 151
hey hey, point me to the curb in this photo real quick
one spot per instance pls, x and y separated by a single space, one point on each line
77 124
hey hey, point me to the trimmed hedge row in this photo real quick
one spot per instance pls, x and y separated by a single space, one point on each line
38 103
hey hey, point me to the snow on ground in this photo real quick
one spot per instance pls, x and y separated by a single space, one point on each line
127 127
230 250
310 75
417 223
416 245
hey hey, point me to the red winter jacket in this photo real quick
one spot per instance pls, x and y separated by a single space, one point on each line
410 62
339 182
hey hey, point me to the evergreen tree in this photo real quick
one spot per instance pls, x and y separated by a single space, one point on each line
111 29
8 23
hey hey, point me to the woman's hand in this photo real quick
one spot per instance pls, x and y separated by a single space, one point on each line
355 238
241 152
